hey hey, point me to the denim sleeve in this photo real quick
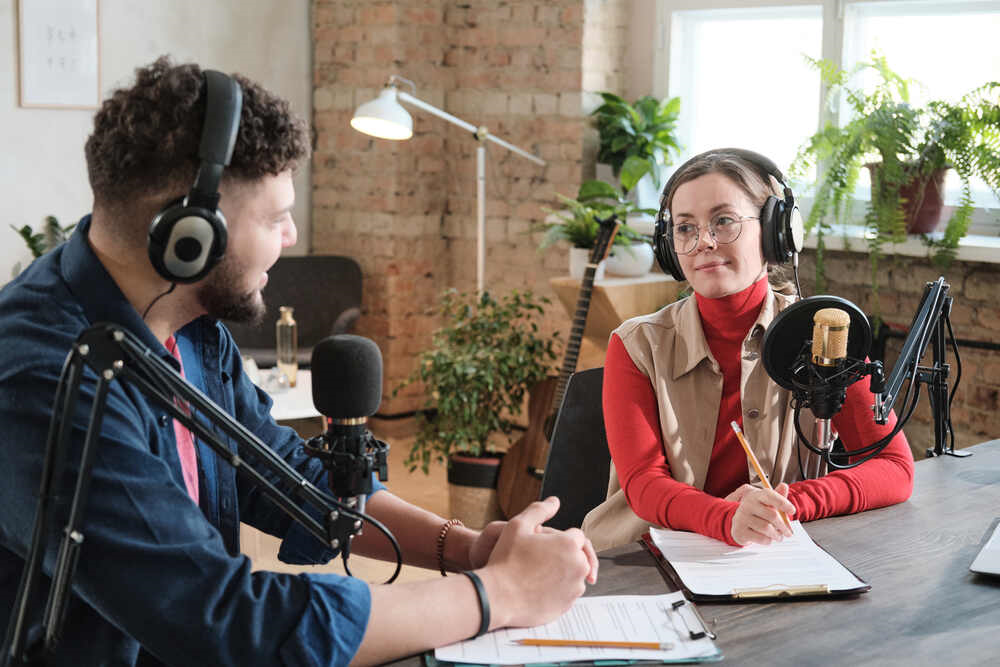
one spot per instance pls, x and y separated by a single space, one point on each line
151 565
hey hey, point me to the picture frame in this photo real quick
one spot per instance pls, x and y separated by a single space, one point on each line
58 54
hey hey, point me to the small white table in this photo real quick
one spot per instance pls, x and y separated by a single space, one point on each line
295 402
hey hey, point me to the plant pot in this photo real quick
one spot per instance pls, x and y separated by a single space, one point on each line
924 200
635 260
578 258
472 488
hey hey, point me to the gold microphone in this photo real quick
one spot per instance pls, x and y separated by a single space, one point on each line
829 350
829 343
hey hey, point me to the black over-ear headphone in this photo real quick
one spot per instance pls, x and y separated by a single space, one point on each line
780 221
188 237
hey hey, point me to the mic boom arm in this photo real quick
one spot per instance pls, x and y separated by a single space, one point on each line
928 326
112 352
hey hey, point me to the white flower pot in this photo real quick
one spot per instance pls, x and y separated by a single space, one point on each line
635 260
578 258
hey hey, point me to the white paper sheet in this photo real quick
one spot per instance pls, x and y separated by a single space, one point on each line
710 567
619 618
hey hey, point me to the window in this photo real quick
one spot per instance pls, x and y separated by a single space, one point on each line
743 81
742 78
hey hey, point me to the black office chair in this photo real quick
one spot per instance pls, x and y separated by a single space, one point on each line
324 290
579 461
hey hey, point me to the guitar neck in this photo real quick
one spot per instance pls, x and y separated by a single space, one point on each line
575 335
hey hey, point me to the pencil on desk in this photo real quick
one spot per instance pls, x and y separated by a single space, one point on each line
596 643
756 466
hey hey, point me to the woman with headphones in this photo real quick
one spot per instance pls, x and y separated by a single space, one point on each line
675 380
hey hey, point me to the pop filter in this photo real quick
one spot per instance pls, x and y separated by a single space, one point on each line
785 337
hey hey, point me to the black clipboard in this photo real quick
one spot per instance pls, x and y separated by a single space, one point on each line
752 595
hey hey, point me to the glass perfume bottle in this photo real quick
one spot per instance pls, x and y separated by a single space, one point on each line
286 335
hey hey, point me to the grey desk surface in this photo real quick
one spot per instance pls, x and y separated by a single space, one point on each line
924 607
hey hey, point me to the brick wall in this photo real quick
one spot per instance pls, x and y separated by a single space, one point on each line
604 49
406 211
975 316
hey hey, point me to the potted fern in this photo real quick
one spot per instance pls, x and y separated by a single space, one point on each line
906 149
486 356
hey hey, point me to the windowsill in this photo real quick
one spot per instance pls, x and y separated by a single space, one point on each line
852 238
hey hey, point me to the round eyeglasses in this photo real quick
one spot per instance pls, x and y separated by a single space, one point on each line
723 228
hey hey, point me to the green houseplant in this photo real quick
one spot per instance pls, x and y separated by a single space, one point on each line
903 146
577 222
487 354
39 243
637 139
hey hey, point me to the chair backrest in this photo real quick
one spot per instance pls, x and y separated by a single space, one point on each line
324 290
579 461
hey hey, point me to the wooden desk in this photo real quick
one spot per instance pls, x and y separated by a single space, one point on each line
925 606
612 301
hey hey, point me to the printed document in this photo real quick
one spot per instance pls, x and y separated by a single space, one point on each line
667 618
710 567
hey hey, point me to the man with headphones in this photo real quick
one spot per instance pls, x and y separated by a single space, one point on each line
192 178
675 380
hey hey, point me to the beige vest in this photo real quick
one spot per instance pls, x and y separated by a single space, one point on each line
669 347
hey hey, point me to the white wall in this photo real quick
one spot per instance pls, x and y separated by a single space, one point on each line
42 168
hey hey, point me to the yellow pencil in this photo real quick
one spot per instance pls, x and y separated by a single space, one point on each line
657 646
756 466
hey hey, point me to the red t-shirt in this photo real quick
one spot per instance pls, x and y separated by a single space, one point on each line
185 439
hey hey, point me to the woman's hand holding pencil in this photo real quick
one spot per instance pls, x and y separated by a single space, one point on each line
762 516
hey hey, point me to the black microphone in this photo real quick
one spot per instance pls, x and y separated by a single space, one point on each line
347 388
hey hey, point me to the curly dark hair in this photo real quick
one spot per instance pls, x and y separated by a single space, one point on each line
145 139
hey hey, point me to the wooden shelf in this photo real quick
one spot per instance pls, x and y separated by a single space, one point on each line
613 300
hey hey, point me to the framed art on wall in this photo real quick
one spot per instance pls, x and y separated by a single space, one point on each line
59 65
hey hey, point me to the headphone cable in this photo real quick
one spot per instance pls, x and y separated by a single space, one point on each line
158 297
795 272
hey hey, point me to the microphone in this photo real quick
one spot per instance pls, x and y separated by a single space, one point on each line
831 327
816 348
347 389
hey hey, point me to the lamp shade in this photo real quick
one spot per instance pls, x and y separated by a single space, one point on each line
383 117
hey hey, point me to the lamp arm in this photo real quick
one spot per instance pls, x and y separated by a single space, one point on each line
514 149
480 133
433 110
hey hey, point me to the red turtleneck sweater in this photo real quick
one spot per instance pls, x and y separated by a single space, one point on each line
636 446
726 322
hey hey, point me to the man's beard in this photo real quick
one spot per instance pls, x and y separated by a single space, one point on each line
221 299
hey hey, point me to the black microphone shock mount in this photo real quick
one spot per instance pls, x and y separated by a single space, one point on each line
350 454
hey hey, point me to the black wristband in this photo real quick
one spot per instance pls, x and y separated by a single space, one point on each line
484 602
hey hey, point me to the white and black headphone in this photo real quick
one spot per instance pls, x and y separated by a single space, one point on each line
780 222
188 237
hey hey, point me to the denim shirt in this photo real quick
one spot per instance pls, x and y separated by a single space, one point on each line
159 579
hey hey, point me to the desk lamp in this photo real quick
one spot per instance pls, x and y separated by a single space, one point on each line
385 118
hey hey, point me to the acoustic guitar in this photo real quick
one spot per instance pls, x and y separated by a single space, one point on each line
523 466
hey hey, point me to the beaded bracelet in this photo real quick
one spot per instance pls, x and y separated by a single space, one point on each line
484 602
440 542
